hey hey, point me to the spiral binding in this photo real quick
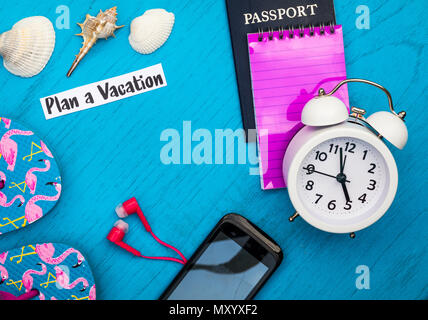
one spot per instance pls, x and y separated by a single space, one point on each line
291 31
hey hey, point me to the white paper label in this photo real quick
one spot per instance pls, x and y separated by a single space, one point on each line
103 92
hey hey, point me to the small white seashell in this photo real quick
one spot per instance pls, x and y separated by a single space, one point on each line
28 46
150 31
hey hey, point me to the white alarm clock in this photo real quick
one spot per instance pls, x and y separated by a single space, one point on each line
340 175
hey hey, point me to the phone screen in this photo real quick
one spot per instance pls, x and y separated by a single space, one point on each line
229 267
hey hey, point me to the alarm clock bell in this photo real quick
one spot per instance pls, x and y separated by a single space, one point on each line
391 127
324 111
327 110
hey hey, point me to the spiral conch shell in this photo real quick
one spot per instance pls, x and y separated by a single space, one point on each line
150 31
28 46
102 26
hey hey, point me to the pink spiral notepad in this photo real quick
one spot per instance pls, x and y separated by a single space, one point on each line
286 73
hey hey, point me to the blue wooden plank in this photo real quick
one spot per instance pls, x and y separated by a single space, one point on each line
111 153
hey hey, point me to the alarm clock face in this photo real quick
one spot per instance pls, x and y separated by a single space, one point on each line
343 181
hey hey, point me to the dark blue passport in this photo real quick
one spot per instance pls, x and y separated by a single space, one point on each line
251 16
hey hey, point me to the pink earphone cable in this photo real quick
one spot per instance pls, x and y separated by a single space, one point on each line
184 260
163 258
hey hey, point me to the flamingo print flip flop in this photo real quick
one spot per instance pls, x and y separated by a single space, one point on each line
45 272
30 181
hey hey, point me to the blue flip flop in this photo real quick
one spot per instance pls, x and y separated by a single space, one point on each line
47 271
30 181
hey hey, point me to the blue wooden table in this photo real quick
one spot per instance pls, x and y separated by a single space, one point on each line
112 152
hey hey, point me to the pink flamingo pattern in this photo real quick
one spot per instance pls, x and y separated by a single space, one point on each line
45 149
9 148
64 281
2 180
7 122
3 198
3 257
43 298
32 211
4 275
5 204
28 164
92 293
27 278
31 178
46 252
44 281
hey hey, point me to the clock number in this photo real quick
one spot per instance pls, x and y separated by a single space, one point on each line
310 185
372 185
365 154
332 205
319 198
373 167
350 147
348 206
321 156
363 198
334 147
310 168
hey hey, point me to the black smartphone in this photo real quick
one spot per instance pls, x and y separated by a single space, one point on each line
233 263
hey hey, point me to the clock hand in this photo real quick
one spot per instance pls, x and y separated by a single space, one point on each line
342 164
341 177
311 170
345 191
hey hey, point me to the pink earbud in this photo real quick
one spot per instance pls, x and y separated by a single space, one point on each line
117 234
131 207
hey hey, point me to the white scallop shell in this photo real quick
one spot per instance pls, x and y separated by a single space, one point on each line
28 46
150 31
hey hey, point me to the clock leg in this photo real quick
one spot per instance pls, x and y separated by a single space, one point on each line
293 217
352 235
